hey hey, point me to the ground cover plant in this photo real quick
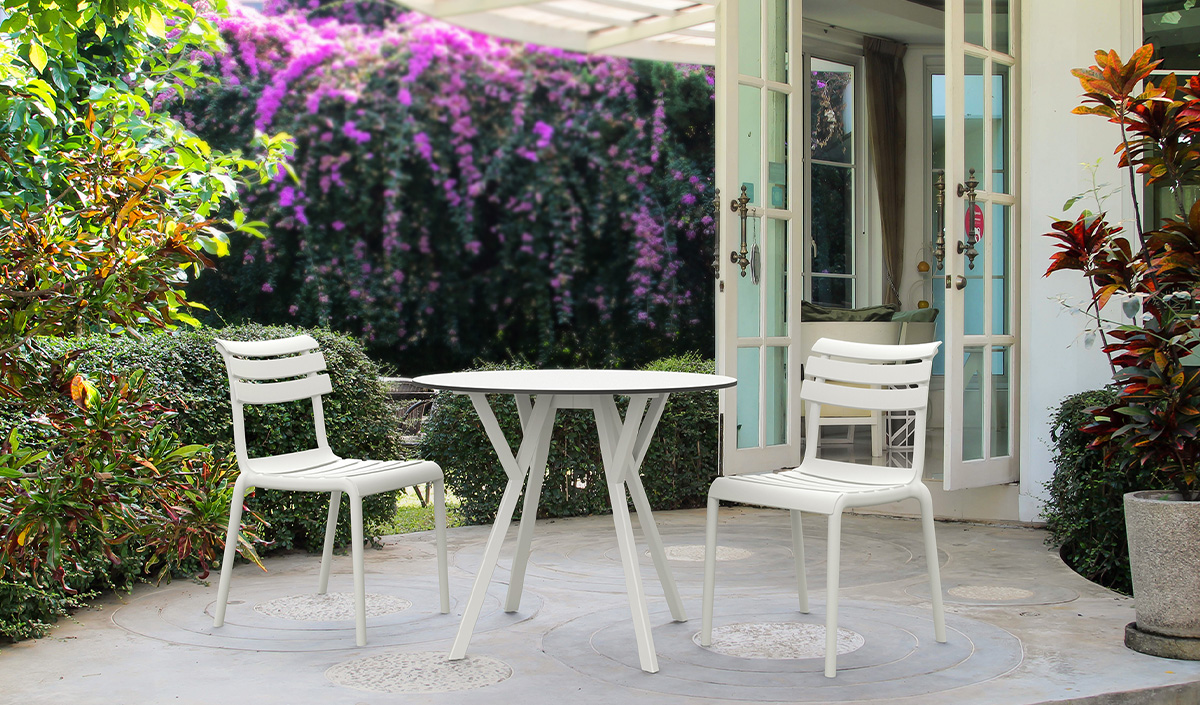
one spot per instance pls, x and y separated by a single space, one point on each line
461 197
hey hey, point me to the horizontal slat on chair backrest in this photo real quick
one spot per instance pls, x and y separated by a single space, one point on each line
268 348
874 352
868 373
277 368
277 392
836 394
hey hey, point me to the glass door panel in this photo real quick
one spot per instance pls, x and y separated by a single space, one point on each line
980 244
757 122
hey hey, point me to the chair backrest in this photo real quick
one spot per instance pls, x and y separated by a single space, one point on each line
868 376
274 372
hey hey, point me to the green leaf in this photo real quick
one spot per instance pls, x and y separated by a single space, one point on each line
1171 17
156 26
37 56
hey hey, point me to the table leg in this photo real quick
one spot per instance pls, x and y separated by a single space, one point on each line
641 503
536 429
616 444
533 491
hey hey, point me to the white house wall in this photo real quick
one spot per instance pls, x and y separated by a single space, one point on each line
1057 36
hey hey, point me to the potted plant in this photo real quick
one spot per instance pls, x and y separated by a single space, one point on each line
1156 360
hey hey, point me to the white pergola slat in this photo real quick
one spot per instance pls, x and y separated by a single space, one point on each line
679 31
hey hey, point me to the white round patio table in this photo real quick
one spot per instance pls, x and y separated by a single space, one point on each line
623 443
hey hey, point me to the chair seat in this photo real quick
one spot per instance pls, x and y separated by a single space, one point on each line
319 470
818 486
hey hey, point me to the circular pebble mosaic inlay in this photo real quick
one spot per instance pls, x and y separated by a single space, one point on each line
329 607
989 592
778 640
695 553
420 672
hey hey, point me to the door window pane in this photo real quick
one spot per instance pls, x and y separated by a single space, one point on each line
750 141
973 17
775 267
777 149
1170 25
750 38
974 123
973 402
1001 399
997 233
747 397
1000 26
777 41
832 213
776 389
831 111
1000 128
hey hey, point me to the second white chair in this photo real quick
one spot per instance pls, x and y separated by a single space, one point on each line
886 378
291 369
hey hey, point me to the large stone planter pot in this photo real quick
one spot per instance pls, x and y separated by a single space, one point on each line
1164 556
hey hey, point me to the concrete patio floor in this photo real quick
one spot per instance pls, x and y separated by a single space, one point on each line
1023 628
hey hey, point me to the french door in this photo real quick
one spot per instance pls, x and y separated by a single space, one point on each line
759 82
980 222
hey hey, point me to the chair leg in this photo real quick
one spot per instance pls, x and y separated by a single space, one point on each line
931 562
710 572
231 539
833 561
360 588
798 552
335 503
439 524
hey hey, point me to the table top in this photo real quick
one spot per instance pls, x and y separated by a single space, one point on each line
576 381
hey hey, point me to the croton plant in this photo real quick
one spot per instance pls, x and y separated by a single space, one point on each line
1155 273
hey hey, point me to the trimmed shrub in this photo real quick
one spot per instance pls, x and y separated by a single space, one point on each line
679 466
1085 511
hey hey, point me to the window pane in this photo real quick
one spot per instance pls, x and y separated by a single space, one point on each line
833 291
750 38
747 397
832 111
777 48
832 219
1171 26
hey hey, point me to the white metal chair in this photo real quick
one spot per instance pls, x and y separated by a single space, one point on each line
896 378
290 369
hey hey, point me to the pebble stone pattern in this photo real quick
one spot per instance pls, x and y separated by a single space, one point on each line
418 672
778 640
329 607
695 553
990 592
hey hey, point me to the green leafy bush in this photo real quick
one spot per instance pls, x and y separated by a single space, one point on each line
1085 512
679 466
360 419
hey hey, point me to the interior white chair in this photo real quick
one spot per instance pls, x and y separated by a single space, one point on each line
291 369
886 378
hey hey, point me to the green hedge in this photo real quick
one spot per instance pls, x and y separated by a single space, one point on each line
1085 512
360 418
679 466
